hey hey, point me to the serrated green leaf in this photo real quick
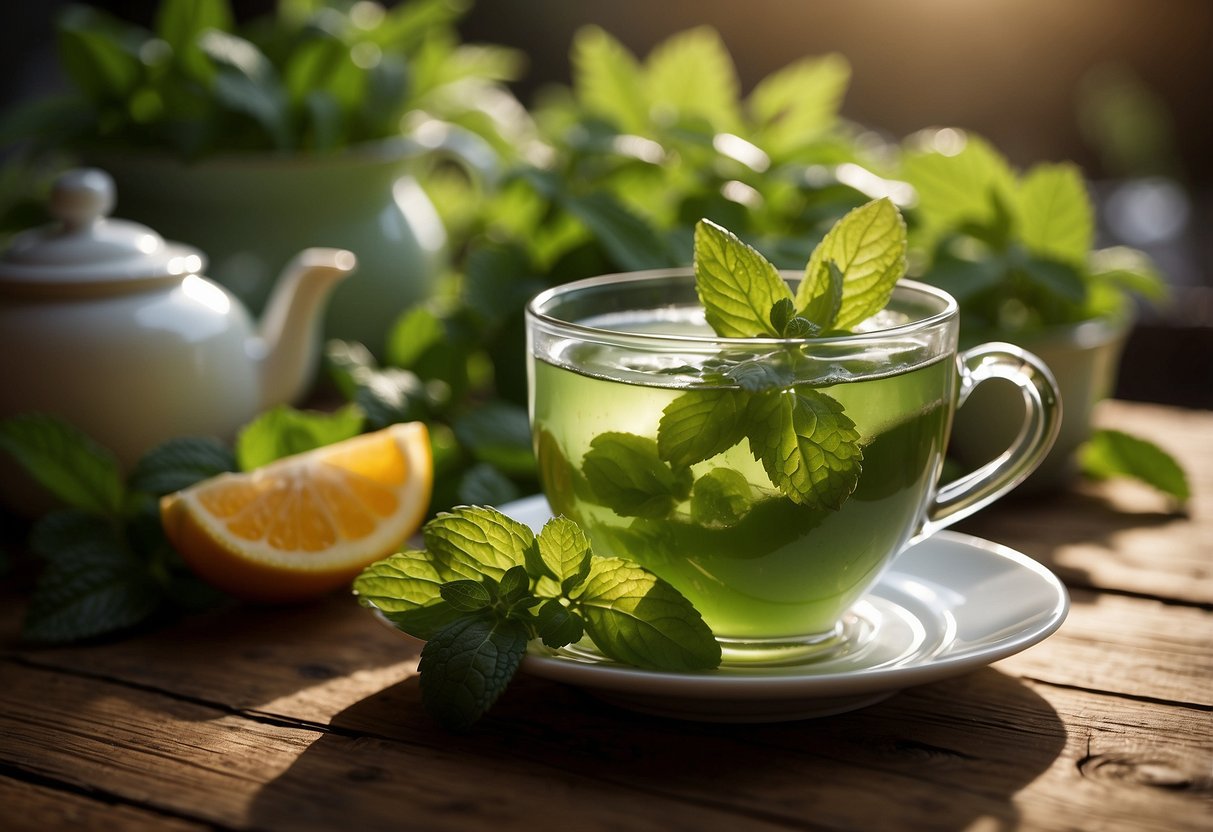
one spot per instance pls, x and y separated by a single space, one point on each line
626 474
721 497
868 248
485 484
179 463
823 301
407 589
498 433
67 462
628 239
959 187
807 445
782 314
1055 278
475 542
91 584
737 286
285 431
515 584
1055 217
692 75
466 595
1113 453
565 552
795 104
608 80
635 617
466 665
557 625
700 424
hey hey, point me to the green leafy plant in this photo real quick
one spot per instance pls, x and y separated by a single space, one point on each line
626 161
486 585
1017 251
310 76
105 564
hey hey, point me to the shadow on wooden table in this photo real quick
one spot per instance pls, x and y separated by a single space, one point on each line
941 756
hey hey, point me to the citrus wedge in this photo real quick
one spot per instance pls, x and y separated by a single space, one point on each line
305 524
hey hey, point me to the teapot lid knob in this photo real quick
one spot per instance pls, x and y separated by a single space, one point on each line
82 196
87 248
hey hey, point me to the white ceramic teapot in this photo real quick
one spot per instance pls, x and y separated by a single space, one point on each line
107 325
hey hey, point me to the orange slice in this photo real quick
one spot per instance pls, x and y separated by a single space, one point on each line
306 524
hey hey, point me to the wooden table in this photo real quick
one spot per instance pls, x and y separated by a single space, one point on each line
310 718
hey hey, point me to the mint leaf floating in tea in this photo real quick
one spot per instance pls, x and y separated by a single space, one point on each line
487 585
807 445
627 475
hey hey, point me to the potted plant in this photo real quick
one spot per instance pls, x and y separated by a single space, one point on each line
1017 251
306 126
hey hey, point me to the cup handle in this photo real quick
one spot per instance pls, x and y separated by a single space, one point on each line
964 496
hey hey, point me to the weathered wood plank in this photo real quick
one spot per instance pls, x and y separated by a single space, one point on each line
194 761
27 807
1120 535
984 746
1129 646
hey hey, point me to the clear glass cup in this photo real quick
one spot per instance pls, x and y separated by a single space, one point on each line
770 480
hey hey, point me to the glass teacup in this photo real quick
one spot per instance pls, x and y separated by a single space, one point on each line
823 455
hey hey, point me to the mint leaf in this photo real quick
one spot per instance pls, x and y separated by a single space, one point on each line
515 588
179 463
91 584
1054 213
608 80
721 497
823 301
407 589
959 186
466 595
635 617
475 542
868 247
557 625
799 102
807 445
285 431
700 424
68 463
1113 453
627 475
466 665
564 552
692 74
737 286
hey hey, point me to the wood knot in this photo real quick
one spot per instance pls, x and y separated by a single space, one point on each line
1155 773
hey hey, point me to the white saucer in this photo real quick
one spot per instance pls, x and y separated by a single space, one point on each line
948 605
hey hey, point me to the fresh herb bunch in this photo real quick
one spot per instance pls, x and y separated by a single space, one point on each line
628 159
105 564
311 76
485 585
1017 251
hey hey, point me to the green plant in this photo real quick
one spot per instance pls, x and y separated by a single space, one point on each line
311 76
624 164
1017 251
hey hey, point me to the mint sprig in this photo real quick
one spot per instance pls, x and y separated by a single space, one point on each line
806 443
486 585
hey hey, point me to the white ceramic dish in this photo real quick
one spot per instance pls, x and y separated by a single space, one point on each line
949 605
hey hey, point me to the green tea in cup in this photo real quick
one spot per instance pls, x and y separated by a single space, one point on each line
770 478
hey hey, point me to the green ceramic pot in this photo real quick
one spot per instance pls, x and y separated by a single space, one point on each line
250 213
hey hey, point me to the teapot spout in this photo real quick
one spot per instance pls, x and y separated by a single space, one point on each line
290 327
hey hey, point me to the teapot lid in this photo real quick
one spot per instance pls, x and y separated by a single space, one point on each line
85 247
